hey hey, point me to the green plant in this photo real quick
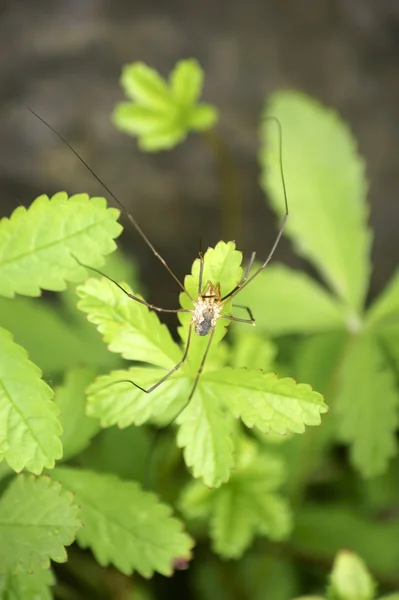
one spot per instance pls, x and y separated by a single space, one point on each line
247 483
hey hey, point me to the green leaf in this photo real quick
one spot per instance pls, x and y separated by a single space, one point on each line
265 401
37 519
202 117
367 406
124 525
161 115
394 596
186 81
221 265
71 400
327 188
29 427
251 350
350 579
386 307
246 505
205 434
287 301
115 401
27 586
323 530
146 86
37 245
54 341
128 327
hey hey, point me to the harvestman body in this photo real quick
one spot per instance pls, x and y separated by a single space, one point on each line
208 306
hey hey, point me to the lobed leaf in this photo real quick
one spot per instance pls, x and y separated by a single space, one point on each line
37 519
161 115
124 525
367 406
29 426
115 401
286 301
265 401
38 244
128 327
71 400
248 504
327 188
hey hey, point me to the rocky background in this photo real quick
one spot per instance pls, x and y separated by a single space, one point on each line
63 58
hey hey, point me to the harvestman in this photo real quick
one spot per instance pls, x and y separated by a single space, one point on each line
208 306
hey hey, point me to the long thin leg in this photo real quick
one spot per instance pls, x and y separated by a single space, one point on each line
140 300
242 284
201 272
119 203
250 321
165 377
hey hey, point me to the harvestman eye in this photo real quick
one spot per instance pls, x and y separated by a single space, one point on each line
207 307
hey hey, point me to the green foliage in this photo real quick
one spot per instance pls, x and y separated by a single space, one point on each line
260 400
37 519
124 525
22 586
327 223
38 245
30 430
246 505
277 505
162 115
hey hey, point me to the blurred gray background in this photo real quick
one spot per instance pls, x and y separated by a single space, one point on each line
63 58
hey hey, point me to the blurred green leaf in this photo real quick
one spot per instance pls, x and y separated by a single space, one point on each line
38 244
161 116
350 579
287 301
71 400
27 586
251 350
386 306
124 525
53 340
322 531
247 505
37 519
326 187
367 406
29 426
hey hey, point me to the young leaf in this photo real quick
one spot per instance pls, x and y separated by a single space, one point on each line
115 401
71 400
161 115
205 434
265 401
386 307
29 427
367 406
350 579
37 519
23 586
287 301
221 265
246 505
327 188
128 327
124 525
37 245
